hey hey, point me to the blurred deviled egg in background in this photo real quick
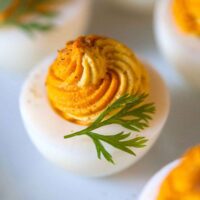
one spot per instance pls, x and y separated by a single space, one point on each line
30 30
177 30
96 108
178 180
141 6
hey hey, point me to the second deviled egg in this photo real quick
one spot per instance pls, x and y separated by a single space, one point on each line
177 29
30 30
178 180
95 109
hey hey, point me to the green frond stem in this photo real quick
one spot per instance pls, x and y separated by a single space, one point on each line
131 113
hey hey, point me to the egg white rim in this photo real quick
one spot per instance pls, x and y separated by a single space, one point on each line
152 187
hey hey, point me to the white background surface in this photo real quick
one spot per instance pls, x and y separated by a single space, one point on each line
25 175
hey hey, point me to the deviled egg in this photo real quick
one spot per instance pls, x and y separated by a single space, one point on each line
178 180
92 109
30 30
177 30
136 5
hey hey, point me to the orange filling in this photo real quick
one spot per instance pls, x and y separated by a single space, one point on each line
183 182
187 15
9 10
89 74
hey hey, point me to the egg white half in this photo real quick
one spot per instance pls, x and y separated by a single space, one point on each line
20 50
152 188
46 128
180 49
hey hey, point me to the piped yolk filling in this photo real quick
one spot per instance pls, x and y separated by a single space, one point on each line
89 74
187 15
183 182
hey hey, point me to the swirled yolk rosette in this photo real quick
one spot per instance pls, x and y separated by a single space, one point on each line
187 15
183 182
89 74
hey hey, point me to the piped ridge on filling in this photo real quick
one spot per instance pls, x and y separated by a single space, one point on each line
187 15
183 182
89 74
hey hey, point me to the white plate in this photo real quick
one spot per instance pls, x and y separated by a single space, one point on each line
26 175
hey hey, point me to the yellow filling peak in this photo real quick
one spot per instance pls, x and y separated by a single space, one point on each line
89 74
187 15
183 182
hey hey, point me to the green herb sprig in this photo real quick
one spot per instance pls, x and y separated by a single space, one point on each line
130 112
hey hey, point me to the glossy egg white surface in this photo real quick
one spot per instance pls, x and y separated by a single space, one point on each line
141 6
181 50
151 190
78 155
20 50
